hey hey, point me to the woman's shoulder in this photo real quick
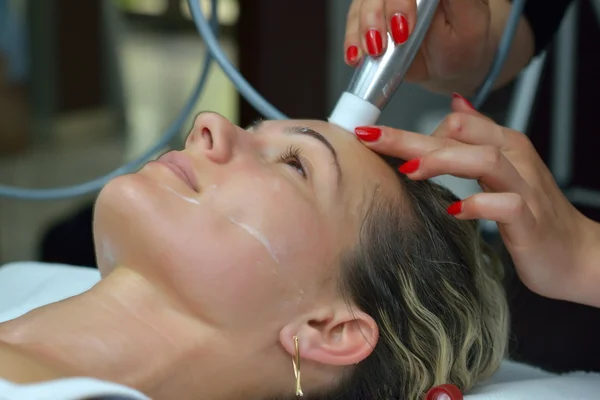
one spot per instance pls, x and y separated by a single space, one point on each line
25 286
28 285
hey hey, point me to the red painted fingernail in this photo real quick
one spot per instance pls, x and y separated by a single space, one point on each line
458 96
368 133
446 391
352 54
455 208
410 166
399 27
374 42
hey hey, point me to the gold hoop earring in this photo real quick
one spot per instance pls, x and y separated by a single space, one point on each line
296 362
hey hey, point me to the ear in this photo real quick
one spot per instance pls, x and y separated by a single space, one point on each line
332 336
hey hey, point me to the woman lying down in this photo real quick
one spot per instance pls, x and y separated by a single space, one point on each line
262 263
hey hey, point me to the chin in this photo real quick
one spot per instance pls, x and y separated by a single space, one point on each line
128 215
122 200
140 225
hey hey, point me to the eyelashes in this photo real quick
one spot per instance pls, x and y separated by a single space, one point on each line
293 157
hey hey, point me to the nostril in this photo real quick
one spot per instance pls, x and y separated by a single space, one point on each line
207 137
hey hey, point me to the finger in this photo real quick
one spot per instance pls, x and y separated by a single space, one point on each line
461 104
352 43
471 128
509 210
487 164
373 27
398 143
401 16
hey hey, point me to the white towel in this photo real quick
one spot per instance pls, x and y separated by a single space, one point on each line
516 381
25 286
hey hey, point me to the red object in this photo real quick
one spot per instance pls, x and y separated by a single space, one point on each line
352 54
458 96
444 392
399 28
455 208
410 166
374 42
367 133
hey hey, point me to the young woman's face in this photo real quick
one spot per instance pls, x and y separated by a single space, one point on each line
251 233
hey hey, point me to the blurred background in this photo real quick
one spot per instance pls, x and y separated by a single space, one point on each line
88 85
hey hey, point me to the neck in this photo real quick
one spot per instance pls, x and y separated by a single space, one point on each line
127 331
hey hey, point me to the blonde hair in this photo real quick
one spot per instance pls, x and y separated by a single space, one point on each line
435 291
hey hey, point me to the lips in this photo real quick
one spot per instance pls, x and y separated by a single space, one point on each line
181 166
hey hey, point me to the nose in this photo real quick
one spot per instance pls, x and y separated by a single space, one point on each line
213 135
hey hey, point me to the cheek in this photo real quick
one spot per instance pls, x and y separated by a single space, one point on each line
286 233
222 273
274 214
193 251
249 250
259 251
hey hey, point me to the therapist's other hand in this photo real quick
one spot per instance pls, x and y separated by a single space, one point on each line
546 236
457 45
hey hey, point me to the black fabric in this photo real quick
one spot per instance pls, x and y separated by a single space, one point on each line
70 241
544 17
556 335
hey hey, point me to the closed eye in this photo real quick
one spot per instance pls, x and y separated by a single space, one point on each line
302 130
293 157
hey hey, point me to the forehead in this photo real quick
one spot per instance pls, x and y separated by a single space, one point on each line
363 169
364 176
351 152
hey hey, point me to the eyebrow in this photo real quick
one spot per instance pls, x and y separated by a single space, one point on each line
303 130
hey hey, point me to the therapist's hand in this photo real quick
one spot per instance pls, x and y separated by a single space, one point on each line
548 239
458 47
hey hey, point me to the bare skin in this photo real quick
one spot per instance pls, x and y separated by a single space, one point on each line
178 313
459 48
553 245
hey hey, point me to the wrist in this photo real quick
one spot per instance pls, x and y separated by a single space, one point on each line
584 276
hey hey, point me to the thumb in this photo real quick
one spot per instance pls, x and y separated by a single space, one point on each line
460 104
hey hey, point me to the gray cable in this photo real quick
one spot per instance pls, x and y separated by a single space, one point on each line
250 94
98 183
502 54
245 89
